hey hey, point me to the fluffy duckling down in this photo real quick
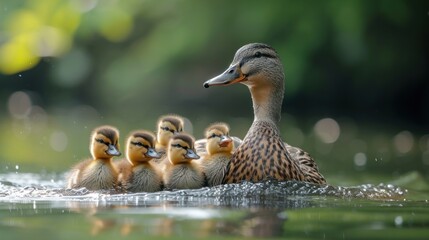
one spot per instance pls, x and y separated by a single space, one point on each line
137 173
98 173
167 126
219 149
180 172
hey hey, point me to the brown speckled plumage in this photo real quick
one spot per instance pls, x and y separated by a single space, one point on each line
262 153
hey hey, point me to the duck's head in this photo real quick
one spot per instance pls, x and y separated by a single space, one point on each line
181 149
141 147
105 142
218 139
254 64
168 126
258 66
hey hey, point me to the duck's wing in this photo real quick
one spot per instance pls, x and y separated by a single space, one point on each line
306 163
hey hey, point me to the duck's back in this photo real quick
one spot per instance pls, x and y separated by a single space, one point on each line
262 155
307 164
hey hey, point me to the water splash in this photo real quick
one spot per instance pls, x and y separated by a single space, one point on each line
27 187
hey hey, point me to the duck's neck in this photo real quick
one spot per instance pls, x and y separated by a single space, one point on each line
267 103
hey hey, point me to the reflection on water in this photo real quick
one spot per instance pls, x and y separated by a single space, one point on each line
267 209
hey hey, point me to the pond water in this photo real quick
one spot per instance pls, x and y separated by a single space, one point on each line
37 206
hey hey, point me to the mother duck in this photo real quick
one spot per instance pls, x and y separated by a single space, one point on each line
262 154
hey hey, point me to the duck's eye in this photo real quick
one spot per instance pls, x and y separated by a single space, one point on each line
179 146
258 54
213 136
140 144
101 141
168 129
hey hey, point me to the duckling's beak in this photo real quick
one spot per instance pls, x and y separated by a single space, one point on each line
152 153
191 154
224 141
113 151
232 75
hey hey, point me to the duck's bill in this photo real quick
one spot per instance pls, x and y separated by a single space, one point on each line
153 154
191 154
113 151
225 141
232 75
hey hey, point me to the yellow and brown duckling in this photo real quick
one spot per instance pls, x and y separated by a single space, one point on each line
219 148
167 126
180 172
137 173
262 154
98 173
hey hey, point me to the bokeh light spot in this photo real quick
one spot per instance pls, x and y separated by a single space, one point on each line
117 25
58 141
327 129
17 55
360 159
403 142
398 221
51 42
19 105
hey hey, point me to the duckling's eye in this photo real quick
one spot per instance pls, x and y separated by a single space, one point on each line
101 141
168 129
258 54
214 135
140 144
179 146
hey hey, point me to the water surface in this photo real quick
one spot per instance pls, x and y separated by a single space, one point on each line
38 206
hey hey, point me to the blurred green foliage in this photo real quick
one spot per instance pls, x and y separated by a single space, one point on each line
81 63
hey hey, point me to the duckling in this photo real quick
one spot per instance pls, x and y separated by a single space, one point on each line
167 126
180 172
137 173
262 154
98 173
219 147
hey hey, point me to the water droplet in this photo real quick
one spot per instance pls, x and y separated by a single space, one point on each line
17 167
